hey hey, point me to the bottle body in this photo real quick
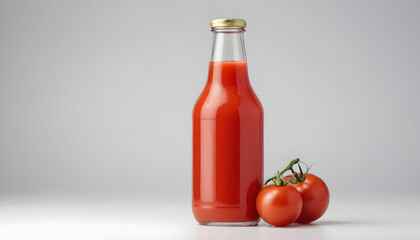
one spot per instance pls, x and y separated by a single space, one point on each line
227 147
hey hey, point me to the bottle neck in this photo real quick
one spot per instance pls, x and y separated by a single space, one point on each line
228 66
228 45
229 74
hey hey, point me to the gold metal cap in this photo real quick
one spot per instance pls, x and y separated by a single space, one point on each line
228 22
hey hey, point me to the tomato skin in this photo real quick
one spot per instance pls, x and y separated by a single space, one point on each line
315 197
279 205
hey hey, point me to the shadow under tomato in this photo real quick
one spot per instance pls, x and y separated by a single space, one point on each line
317 224
293 225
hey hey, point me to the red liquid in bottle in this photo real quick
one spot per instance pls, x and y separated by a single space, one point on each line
227 147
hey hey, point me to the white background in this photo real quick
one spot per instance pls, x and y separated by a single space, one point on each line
96 98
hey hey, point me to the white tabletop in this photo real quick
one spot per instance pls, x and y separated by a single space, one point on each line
164 218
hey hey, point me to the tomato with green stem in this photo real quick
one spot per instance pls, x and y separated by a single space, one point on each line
313 190
279 204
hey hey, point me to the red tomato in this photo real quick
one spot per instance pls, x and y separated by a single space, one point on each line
279 205
315 196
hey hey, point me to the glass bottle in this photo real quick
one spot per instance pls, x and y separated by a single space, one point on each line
227 135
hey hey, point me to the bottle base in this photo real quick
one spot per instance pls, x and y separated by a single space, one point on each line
230 224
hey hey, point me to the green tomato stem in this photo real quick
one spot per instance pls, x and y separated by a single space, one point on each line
277 178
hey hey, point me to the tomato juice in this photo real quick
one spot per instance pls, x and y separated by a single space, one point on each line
227 146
